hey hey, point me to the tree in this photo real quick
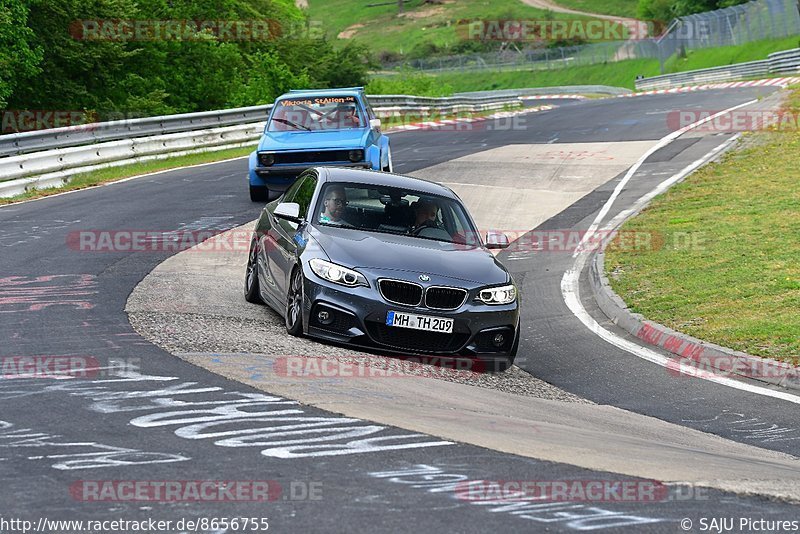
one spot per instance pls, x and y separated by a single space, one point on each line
19 58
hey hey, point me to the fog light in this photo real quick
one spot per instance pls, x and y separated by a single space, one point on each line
498 340
325 317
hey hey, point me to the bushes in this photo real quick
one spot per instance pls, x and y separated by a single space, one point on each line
409 82
45 67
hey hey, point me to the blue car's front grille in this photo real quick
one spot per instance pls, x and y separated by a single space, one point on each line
311 156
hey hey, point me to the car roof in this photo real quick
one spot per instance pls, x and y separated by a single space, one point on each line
344 91
387 179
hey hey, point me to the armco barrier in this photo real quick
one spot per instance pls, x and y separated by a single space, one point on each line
49 158
786 61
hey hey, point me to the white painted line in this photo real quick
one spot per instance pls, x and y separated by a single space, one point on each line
570 282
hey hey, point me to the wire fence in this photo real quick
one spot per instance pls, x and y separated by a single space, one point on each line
753 21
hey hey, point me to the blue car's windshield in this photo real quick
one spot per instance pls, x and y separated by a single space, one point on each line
394 210
305 113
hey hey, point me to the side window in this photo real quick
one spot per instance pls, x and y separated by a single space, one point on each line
370 113
290 193
305 193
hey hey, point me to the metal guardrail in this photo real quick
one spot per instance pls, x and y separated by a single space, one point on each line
49 158
787 61
28 142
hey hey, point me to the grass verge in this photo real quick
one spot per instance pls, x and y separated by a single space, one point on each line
728 269
113 174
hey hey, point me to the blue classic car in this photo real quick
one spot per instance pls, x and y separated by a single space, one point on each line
312 128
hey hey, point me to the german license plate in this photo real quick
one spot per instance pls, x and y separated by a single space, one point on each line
419 322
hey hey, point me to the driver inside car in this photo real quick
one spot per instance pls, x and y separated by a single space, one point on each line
334 204
346 116
425 211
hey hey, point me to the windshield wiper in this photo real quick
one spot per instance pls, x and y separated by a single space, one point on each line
290 123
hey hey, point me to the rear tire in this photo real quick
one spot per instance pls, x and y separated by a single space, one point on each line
251 288
294 304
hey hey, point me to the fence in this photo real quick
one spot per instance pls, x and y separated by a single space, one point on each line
753 21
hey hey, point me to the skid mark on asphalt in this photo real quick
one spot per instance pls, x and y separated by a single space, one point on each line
33 294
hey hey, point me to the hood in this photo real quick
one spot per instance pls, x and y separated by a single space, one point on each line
327 139
368 250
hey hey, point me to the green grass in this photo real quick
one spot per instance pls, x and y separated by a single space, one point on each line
737 282
113 174
727 55
384 30
619 8
619 74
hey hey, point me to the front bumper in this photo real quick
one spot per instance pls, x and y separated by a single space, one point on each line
357 317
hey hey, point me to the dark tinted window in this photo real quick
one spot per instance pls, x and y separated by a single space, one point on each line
393 210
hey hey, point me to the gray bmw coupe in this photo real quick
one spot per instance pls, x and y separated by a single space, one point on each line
385 262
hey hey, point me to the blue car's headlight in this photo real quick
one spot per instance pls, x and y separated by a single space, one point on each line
498 295
337 274
356 155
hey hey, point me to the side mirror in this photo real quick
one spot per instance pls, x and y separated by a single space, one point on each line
495 239
289 211
375 124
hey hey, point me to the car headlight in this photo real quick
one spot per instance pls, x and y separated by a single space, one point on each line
266 159
498 295
356 155
337 274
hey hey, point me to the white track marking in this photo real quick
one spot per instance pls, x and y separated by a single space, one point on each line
570 281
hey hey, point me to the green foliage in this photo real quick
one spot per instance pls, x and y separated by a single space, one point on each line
409 82
46 64
18 57
666 10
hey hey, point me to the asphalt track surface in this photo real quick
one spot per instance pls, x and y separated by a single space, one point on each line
55 300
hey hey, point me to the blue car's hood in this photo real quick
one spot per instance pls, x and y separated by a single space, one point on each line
368 250
317 140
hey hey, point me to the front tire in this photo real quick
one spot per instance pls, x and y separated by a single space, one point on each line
251 288
294 304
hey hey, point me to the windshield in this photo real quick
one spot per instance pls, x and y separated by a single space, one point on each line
397 211
316 113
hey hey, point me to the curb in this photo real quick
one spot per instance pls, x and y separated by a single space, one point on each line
690 351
